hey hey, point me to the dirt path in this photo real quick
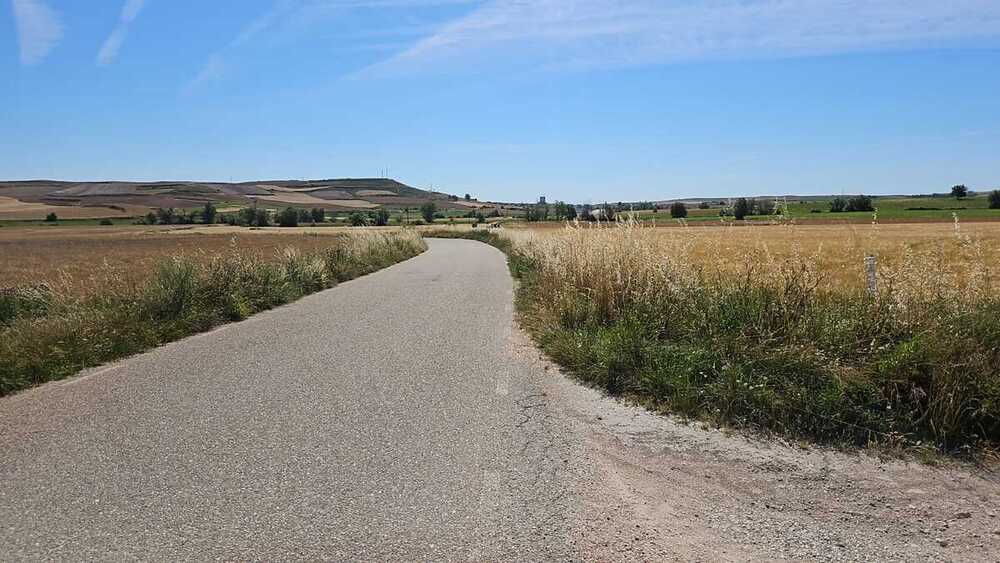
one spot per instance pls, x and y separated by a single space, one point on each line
655 488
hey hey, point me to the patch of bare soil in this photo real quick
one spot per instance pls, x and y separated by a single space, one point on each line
655 488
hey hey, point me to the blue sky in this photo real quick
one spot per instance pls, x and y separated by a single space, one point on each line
584 100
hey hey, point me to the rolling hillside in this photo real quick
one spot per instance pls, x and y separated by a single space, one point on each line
35 198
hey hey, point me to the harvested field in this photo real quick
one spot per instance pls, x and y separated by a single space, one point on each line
14 209
74 259
295 198
368 193
331 193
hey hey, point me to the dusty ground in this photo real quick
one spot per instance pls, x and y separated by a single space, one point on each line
659 489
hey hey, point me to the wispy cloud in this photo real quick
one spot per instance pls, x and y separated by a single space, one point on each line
109 50
39 29
214 67
305 13
609 33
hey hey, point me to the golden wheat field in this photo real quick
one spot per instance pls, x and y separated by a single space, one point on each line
953 256
79 260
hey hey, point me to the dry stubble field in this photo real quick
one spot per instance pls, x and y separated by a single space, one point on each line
78 260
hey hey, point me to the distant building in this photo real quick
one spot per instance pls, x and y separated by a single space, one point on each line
541 200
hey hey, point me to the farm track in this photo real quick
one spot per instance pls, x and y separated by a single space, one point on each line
403 416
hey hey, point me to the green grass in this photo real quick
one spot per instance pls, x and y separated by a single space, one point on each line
45 337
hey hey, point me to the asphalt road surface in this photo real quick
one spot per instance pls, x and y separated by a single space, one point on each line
382 419
401 416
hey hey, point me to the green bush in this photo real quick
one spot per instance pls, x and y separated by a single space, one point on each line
429 211
288 218
994 199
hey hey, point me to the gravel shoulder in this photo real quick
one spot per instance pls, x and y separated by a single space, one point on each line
656 488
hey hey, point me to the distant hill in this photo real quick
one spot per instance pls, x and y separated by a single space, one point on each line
25 199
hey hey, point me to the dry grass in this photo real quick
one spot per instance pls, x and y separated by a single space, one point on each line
834 253
78 260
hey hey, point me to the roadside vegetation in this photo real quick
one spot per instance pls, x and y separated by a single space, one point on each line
49 331
773 339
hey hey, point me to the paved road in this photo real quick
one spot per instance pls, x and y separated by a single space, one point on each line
386 418
401 417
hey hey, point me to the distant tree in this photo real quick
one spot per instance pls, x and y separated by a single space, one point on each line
106 222
428 210
995 199
741 208
263 219
166 216
587 213
860 203
678 210
254 217
655 208
151 218
317 214
568 212
468 197
704 205
381 218
959 191
51 218
288 218
247 216
838 204
358 219
208 213
609 212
